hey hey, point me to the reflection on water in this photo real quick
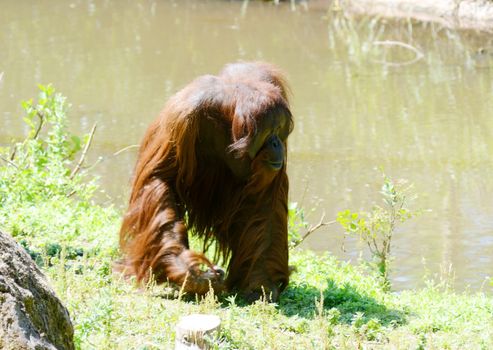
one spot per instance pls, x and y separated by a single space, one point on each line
429 122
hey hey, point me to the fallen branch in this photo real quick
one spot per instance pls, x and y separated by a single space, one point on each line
84 152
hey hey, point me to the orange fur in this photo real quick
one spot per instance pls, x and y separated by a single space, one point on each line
197 168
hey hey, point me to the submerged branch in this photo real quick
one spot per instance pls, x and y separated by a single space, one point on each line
418 54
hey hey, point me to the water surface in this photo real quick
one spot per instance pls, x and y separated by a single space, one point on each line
429 122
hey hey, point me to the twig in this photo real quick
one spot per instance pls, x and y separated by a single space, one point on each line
12 156
125 149
101 159
9 162
84 152
41 122
36 133
314 228
418 53
89 167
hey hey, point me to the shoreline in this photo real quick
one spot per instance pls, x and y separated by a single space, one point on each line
461 14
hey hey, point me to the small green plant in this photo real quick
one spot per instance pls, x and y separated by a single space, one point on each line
41 166
45 199
376 228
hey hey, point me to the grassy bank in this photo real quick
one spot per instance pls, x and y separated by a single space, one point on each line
328 304
46 203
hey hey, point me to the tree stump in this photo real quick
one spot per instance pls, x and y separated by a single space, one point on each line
196 331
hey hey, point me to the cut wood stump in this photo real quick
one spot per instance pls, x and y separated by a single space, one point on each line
196 331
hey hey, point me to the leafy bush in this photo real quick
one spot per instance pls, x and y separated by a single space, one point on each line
376 228
45 201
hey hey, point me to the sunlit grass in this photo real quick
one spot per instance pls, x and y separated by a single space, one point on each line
328 304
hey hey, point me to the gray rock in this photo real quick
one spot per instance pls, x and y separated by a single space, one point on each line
31 316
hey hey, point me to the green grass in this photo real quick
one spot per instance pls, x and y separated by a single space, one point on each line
328 304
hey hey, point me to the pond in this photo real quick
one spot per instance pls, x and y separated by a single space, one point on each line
362 102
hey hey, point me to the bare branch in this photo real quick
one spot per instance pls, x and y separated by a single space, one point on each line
125 149
89 167
312 229
40 125
84 152
36 133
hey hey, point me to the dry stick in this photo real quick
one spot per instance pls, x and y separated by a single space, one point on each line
314 228
84 152
117 153
419 54
101 159
125 149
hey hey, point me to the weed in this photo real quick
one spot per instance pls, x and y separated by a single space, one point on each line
376 228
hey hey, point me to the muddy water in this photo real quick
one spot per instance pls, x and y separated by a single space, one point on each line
358 106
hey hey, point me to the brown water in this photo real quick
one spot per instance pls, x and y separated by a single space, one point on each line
430 122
